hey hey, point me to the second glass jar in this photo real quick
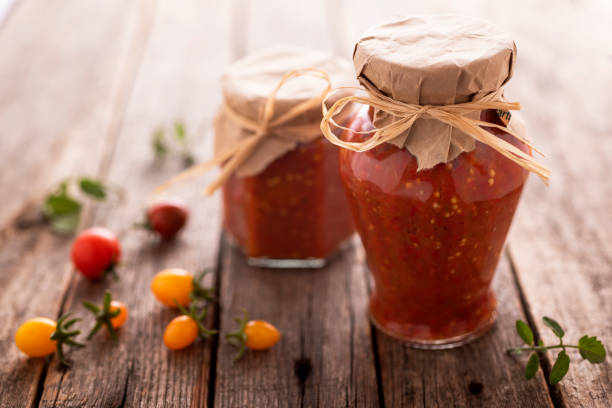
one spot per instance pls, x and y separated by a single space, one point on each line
294 213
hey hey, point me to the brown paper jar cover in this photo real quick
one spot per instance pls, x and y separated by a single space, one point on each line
434 60
246 85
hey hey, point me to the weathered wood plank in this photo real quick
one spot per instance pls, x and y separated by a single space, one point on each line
55 112
177 79
479 374
302 24
560 243
324 357
60 74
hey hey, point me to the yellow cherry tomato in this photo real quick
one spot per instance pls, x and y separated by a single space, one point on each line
118 320
180 333
34 337
172 284
261 335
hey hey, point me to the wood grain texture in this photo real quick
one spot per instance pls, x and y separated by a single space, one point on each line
324 357
479 374
139 370
302 24
59 112
60 76
561 240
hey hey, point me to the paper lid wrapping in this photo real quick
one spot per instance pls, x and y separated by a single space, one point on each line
246 87
434 60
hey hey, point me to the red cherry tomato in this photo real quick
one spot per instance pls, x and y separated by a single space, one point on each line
95 251
167 217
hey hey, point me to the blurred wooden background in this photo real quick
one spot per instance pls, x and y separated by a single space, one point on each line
84 83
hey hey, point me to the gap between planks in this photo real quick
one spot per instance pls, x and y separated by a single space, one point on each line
555 396
123 162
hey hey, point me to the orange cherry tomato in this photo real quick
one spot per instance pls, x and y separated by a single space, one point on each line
118 320
180 333
261 335
172 284
34 337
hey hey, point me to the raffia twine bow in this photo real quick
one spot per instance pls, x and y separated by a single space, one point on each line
232 158
406 114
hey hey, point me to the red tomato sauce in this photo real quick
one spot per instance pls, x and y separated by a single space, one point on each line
432 238
295 209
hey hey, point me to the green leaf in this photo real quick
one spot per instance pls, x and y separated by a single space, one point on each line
158 143
540 343
591 349
91 307
107 301
70 322
60 204
559 369
179 130
532 366
66 224
554 326
93 188
524 331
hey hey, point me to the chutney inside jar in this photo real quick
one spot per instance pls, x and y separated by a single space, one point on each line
294 213
433 238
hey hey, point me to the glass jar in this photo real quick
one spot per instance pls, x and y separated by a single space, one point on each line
294 213
283 201
433 237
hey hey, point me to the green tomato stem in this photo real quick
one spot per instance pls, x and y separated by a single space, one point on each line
541 348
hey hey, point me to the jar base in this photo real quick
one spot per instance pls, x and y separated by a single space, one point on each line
439 344
308 263
291 263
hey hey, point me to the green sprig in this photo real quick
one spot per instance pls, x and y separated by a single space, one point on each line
198 316
103 315
201 298
63 210
200 293
64 336
238 338
590 349
177 144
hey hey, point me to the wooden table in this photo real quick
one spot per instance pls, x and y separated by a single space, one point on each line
84 83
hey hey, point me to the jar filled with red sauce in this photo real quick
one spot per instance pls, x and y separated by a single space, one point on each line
295 210
433 207
285 205
433 238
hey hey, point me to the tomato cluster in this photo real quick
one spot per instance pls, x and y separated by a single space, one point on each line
177 288
42 336
96 252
